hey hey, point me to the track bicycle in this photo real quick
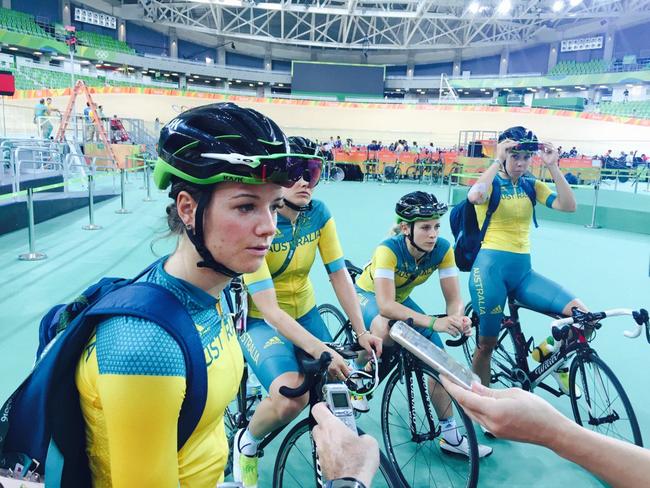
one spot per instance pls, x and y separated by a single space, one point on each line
410 426
598 400
296 456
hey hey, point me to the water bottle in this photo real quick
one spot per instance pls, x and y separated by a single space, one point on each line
253 386
544 349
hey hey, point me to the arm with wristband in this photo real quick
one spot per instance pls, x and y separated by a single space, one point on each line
480 191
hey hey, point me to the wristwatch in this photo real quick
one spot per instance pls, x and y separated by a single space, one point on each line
346 482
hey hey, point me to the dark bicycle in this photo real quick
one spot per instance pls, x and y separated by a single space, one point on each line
297 454
410 427
598 400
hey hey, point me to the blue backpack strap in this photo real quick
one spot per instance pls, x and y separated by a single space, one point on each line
528 185
493 203
157 304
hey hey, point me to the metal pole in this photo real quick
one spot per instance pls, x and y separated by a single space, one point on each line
32 255
593 224
122 209
91 206
451 173
147 182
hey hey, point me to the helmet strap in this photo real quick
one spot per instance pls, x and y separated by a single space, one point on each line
197 238
412 239
298 208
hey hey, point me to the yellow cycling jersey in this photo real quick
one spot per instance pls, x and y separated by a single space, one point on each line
131 382
288 263
392 260
509 227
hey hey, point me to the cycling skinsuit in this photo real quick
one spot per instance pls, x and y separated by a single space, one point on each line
267 352
392 260
131 381
503 265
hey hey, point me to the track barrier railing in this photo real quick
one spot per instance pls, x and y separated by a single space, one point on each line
33 254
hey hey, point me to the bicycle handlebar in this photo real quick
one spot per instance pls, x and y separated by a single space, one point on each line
581 318
313 368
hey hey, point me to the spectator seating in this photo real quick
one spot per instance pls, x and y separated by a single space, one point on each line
639 109
575 68
20 22
100 41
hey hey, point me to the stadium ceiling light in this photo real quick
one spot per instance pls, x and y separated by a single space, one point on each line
166 74
13 48
98 66
260 82
238 81
604 87
269 6
217 79
85 61
558 5
398 90
174 74
504 7
629 85
474 7
37 53
250 84
575 3
225 3
207 81
280 84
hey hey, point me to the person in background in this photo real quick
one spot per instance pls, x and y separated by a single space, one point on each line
41 120
89 126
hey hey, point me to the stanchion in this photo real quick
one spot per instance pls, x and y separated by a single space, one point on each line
32 255
91 206
593 224
122 209
147 183
451 175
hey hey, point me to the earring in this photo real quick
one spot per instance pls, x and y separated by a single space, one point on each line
188 227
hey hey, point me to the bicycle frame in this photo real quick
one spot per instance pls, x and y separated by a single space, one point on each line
520 372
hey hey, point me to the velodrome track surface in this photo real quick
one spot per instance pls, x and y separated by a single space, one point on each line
591 133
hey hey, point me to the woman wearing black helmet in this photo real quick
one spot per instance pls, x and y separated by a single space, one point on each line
399 264
503 266
226 166
282 313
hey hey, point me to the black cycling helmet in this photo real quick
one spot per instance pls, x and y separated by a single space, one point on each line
527 140
418 205
224 142
302 145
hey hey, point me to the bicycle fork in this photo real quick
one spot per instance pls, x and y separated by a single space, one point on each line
424 393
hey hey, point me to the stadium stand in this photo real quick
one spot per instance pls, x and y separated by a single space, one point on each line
100 41
627 109
575 68
20 22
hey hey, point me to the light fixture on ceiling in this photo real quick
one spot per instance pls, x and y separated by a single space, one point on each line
504 7
557 5
474 7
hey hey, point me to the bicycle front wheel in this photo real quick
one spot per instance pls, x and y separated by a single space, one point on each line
599 401
338 326
413 443
294 465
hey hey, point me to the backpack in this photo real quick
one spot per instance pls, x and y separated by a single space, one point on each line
464 224
42 429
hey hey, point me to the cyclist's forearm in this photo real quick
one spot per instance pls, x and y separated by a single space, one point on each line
565 198
616 462
396 311
348 299
292 330
478 193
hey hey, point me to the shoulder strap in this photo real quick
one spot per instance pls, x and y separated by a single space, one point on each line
292 249
157 304
528 185
493 203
